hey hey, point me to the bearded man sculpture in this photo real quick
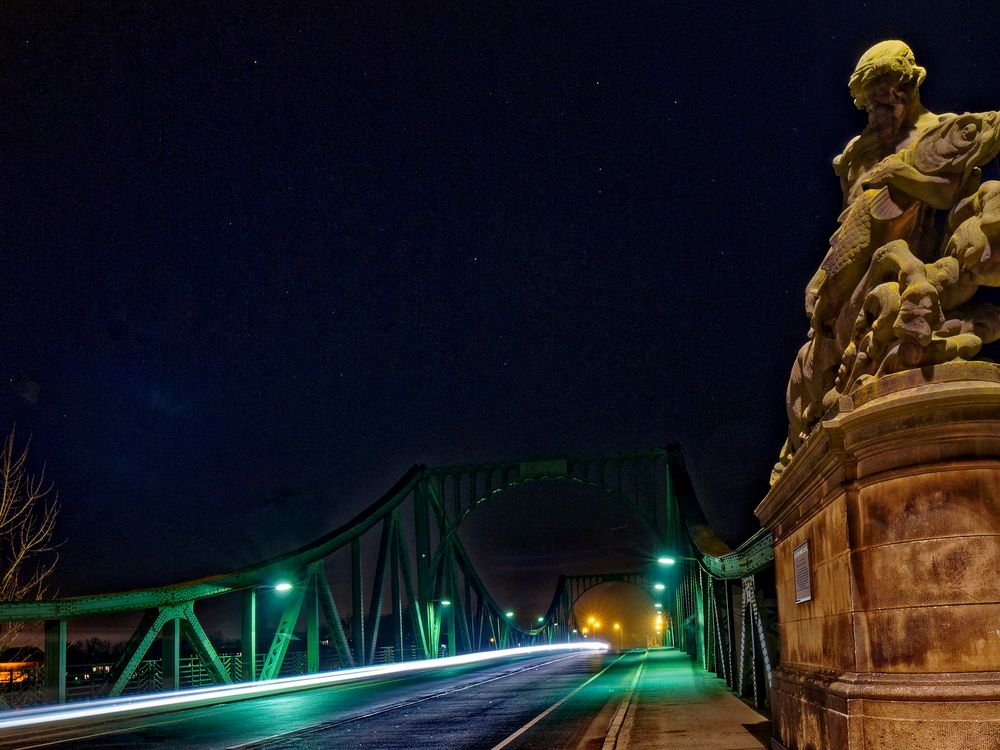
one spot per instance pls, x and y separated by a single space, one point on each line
892 293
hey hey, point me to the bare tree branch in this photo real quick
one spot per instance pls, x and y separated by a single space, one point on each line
28 511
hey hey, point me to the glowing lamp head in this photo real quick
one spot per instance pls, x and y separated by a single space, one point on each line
283 586
666 560
445 602
541 619
659 586
508 613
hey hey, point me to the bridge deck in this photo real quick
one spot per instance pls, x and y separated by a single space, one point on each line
675 704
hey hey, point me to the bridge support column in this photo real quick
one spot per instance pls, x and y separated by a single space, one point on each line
171 642
394 590
452 645
358 605
886 529
55 661
248 636
422 532
312 627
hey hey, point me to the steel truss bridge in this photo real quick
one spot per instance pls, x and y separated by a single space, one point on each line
719 603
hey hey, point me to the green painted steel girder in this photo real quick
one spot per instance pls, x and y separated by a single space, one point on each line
254 575
752 556
55 661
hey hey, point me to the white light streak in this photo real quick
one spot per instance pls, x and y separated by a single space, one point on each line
151 703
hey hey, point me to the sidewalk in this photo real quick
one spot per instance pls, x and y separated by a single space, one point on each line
677 705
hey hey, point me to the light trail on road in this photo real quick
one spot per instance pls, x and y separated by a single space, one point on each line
192 698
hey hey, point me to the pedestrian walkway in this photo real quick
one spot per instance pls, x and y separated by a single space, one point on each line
675 704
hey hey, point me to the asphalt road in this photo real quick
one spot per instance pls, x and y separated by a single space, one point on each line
550 701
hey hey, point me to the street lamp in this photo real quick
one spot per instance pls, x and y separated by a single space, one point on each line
283 586
659 586
621 637
666 560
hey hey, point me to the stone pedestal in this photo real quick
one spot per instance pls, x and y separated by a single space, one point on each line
898 496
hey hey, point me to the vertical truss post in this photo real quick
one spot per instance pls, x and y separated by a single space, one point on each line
55 661
731 636
434 625
762 669
700 622
677 618
312 625
286 628
248 635
669 508
451 589
457 501
468 614
422 531
332 617
721 663
462 604
416 616
358 604
746 649
397 601
171 643
378 590
478 625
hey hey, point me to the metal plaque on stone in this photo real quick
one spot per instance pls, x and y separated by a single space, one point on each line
800 561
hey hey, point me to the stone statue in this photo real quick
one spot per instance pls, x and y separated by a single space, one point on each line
894 292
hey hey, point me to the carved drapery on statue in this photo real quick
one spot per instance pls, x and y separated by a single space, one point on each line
894 292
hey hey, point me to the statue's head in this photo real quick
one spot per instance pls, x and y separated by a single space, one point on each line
885 82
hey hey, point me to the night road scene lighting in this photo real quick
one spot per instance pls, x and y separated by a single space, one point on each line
49 715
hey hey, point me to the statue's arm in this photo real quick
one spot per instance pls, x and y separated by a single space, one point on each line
938 162
907 183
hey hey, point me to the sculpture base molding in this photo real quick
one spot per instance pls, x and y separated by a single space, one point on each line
813 709
896 494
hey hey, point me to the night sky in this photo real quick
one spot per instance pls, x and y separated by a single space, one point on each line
260 258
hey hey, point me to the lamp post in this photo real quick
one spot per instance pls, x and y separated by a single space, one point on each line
248 632
621 636
434 615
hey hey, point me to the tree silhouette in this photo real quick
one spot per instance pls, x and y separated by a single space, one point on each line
28 510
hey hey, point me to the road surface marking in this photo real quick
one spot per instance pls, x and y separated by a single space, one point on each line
386 709
553 707
611 740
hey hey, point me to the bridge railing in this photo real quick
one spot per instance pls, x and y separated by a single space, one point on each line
728 606
25 686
